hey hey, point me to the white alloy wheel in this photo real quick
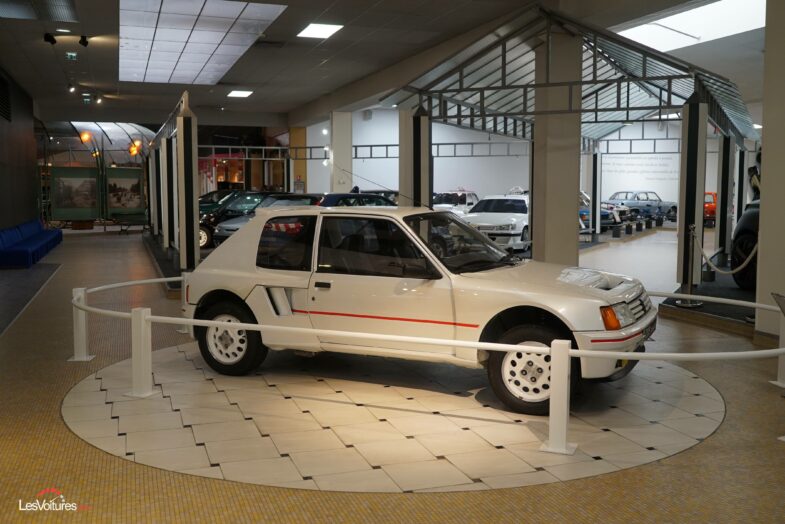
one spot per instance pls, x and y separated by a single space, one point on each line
527 376
202 237
227 346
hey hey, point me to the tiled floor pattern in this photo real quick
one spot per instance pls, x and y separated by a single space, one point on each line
302 423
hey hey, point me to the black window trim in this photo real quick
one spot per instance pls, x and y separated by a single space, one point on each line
435 263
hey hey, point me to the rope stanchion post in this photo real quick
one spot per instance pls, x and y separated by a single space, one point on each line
689 303
183 299
780 300
79 296
141 353
559 416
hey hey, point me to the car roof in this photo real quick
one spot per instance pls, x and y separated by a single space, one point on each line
506 197
399 212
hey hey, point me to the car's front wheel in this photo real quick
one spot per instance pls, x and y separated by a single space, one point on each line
226 350
205 237
525 238
521 380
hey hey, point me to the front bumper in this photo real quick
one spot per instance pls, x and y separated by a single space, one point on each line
628 339
220 236
505 239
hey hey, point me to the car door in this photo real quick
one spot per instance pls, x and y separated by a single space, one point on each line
284 262
371 277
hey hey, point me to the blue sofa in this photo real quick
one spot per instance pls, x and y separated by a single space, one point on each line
26 244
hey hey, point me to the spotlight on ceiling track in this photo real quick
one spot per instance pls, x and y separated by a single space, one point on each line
99 100
49 37
83 41
71 88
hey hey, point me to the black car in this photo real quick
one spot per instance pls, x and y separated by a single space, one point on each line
241 204
745 238
214 199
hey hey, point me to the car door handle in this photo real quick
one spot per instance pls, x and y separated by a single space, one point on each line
323 285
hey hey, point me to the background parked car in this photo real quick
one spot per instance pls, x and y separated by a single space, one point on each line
242 204
226 229
504 219
459 201
211 201
745 238
607 218
644 204
709 209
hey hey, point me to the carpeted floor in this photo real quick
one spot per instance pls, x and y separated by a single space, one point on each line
18 287
737 474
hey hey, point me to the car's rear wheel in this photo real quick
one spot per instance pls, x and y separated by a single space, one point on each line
521 380
742 246
205 237
226 350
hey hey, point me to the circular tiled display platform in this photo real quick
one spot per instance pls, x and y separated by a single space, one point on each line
346 423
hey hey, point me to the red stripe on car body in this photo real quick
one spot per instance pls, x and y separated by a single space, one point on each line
397 319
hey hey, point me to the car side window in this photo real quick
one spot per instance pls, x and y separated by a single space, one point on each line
641 196
368 246
708 198
287 243
654 196
347 201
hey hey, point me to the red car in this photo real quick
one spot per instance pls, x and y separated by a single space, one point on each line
709 209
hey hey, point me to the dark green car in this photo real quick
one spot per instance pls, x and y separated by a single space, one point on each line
211 201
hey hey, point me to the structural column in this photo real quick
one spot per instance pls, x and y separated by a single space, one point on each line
692 184
341 179
557 152
153 191
771 248
298 154
165 177
415 158
187 190
596 201
723 215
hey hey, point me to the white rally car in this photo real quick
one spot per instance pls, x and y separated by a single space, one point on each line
376 271
504 218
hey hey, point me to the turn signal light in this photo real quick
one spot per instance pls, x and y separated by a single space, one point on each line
609 318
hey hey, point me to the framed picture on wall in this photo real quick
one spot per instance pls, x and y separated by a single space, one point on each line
74 193
124 191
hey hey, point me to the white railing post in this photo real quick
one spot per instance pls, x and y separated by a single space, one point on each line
141 353
560 400
780 300
80 328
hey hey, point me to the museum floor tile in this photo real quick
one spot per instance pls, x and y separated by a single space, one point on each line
735 473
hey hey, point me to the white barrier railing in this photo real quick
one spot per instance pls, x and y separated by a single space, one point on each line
560 350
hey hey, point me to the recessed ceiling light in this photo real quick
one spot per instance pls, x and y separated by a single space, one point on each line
240 94
61 30
757 126
319 31
324 131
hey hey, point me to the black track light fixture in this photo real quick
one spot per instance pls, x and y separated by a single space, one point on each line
83 41
49 37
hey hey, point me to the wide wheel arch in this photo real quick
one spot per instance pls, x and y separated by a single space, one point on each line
216 296
519 315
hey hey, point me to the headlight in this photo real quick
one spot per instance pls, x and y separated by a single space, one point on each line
505 227
616 316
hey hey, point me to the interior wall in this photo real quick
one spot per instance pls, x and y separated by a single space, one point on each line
19 183
484 174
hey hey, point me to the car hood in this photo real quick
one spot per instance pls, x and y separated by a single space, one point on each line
235 223
495 219
455 208
563 280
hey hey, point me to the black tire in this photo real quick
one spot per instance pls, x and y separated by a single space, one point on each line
742 246
438 248
205 237
634 214
672 214
516 335
525 238
248 359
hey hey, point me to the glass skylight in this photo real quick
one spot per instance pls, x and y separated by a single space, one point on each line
187 41
702 24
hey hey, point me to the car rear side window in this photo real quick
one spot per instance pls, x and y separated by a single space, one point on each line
287 243
367 246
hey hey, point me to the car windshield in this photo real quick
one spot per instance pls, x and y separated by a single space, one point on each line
453 199
458 246
245 203
500 205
